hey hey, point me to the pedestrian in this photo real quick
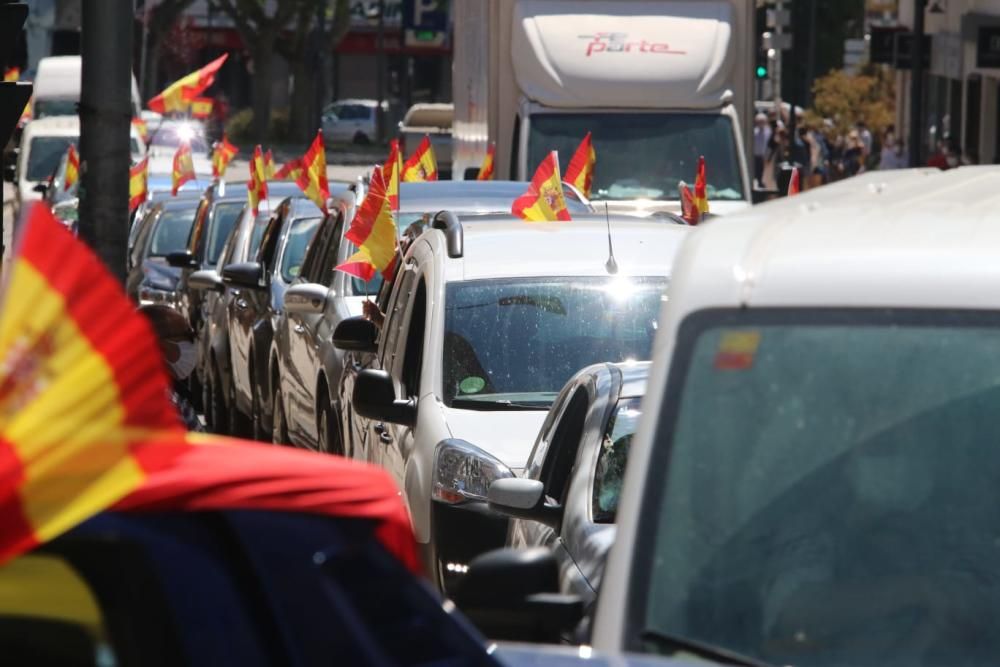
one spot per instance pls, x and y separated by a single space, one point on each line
761 137
774 157
892 156
945 156
865 135
176 338
854 155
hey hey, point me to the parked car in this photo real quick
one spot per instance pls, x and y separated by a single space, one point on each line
254 312
485 324
154 198
164 230
351 120
433 121
309 365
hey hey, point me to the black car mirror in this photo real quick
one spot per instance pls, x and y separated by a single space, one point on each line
374 397
523 498
356 334
41 188
513 594
306 298
182 259
206 280
243 274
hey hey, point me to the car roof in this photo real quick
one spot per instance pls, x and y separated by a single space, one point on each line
912 238
466 196
503 246
178 203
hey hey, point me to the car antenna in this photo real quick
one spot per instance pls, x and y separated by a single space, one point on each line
611 265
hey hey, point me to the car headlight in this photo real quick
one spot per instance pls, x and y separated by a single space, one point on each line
464 472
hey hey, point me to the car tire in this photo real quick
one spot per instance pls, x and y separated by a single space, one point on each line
279 429
361 139
328 429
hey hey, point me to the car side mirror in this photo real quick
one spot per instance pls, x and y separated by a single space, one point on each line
306 298
182 259
206 280
243 274
374 397
523 498
356 334
513 594
41 188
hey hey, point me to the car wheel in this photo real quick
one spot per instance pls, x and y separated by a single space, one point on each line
361 139
328 426
279 430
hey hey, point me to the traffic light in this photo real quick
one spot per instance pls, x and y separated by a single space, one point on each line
762 71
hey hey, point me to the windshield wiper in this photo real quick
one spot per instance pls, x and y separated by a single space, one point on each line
718 654
501 404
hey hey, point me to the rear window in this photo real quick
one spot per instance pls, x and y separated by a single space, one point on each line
171 233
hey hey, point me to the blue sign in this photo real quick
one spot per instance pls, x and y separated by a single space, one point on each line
425 15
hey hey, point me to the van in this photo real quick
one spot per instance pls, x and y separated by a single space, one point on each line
57 88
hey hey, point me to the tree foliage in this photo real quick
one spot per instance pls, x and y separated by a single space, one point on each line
845 99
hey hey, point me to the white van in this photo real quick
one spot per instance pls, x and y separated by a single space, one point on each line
57 88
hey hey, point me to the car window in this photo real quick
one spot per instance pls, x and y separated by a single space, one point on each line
397 307
328 265
196 241
565 443
224 218
257 235
142 234
413 354
171 232
299 236
44 155
311 265
612 458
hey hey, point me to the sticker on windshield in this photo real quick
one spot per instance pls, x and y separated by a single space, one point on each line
737 350
472 385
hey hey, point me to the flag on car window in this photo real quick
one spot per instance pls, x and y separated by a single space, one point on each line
201 107
374 233
544 201
141 127
793 182
391 170
269 169
289 171
12 74
177 97
183 167
486 168
222 154
689 208
701 187
137 184
257 185
72 168
580 170
422 165
312 179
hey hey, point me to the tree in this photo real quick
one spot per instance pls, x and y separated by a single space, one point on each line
260 32
160 20
845 99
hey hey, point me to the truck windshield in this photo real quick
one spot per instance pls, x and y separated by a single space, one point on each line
643 155
517 341
823 490
44 155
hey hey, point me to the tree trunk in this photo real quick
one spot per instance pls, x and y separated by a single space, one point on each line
263 58
302 124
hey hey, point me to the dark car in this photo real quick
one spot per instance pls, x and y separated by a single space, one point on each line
152 199
252 313
164 230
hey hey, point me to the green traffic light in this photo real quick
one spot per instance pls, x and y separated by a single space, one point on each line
761 71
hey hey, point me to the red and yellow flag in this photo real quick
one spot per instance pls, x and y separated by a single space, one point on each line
486 169
544 201
701 187
312 179
138 177
374 232
257 186
12 74
201 107
269 170
390 171
689 208
422 165
72 168
177 97
82 386
290 171
222 154
580 170
794 185
183 167
141 127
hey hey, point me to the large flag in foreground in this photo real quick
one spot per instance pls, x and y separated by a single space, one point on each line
580 170
422 165
177 97
86 423
544 201
138 189
374 232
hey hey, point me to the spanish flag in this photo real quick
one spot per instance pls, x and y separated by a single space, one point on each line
422 166
222 154
183 167
82 386
486 169
700 187
137 184
177 97
257 186
580 171
689 208
374 232
201 107
12 74
391 170
312 179
72 168
269 165
544 201
290 171
793 182
141 127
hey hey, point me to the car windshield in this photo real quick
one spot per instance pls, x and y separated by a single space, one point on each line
171 136
299 236
224 218
43 108
172 231
644 155
516 341
612 458
823 495
44 156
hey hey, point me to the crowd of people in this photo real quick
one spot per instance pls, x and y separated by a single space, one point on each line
823 154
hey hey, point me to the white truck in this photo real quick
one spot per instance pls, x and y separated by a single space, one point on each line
657 82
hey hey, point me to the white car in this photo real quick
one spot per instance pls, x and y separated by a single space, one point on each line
350 121
486 322
57 88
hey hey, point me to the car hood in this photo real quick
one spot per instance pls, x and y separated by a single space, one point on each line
508 435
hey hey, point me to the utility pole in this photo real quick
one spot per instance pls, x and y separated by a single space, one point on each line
105 113
779 7
917 85
380 73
